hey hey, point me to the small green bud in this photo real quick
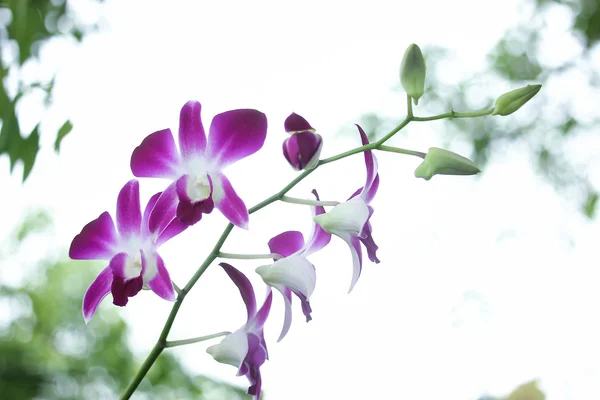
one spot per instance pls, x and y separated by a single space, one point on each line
412 72
443 162
510 102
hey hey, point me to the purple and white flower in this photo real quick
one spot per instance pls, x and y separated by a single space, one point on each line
350 220
293 273
132 249
246 348
303 148
197 168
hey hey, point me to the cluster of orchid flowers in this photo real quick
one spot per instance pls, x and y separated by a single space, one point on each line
198 185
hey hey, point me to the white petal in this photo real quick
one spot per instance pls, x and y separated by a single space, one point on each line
345 218
232 350
295 272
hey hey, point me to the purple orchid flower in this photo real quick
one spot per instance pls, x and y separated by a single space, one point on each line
303 148
132 251
197 168
294 273
245 348
350 220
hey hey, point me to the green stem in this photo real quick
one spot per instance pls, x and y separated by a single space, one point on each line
175 343
454 114
307 202
402 151
235 256
409 107
161 343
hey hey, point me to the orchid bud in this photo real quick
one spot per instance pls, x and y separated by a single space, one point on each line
510 102
443 162
303 148
412 72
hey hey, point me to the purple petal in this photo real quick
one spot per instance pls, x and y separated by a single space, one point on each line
244 286
306 309
367 239
286 243
129 215
230 204
235 135
370 193
123 286
156 156
148 210
172 230
96 292
370 161
318 237
97 240
192 139
296 123
256 357
164 210
161 284
263 312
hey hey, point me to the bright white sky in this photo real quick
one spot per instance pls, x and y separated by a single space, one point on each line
484 283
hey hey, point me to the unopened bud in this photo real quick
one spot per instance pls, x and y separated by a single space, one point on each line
412 72
510 102
443 162
303 148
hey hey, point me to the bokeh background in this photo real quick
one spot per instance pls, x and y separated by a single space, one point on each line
486 283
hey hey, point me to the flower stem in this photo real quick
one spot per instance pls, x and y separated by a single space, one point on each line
454 114
175 343
295 200
235 256
161 343
402 151
409 107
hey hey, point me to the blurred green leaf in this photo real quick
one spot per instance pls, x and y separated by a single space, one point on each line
589 207
62 132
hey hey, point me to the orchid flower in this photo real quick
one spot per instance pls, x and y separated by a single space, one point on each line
350 220
132 250
196 169
245 348
294 273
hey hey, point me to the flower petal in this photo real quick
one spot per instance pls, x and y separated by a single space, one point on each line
148 210
318 237
232 349
189 211
96 293
345 218
263 312
257 354
244 286
356 251
296 123
295 272
287 316
192 139
286 243
161 283
229 203
156 156
370 193
164 211
172 230
235 135
306 309
97 240
366 238
370 162
129 215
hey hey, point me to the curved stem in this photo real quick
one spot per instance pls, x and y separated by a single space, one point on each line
308 202
236 256
174 343
402 151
